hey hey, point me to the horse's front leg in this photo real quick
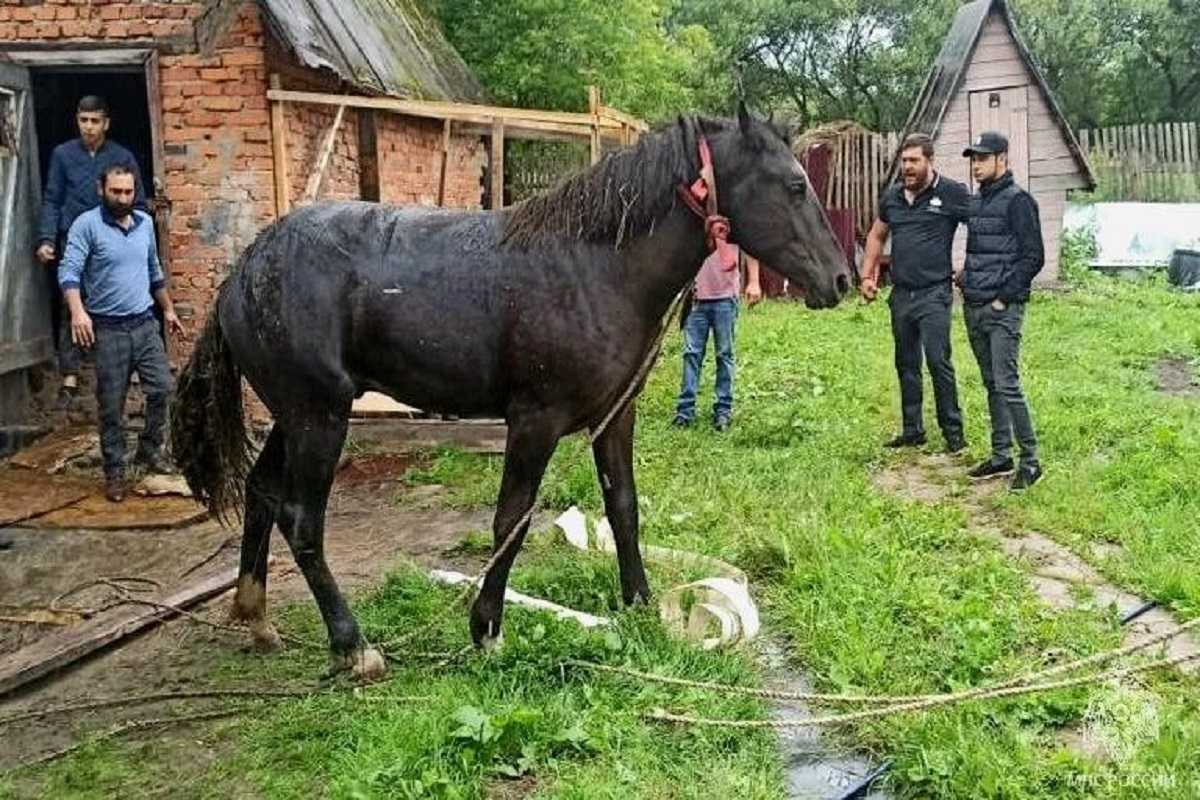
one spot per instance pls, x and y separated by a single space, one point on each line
613 452
531 441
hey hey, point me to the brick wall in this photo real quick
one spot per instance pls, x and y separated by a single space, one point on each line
32 21
410 153
218 170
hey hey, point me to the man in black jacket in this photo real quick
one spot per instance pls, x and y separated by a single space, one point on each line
1004 253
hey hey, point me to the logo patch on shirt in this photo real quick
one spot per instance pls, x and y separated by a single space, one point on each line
936 202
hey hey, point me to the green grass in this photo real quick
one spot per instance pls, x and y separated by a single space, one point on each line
870 592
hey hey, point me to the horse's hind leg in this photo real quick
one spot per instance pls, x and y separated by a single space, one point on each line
312 448
264 488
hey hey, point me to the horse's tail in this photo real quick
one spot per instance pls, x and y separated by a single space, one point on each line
208 430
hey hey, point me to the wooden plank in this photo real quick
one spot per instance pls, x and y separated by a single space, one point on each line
279 157
460 112
497 164
1063 165
65 647
327 145
368 156
1052 182
446 132
594 107
78 58
162 210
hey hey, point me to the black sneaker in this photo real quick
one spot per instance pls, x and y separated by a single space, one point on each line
990 469
721 424
681 421
906 440
955 444
1026 477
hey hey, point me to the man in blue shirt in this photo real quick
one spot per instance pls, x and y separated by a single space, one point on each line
75 167
112 260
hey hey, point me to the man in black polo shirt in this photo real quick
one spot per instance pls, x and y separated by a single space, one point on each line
921 212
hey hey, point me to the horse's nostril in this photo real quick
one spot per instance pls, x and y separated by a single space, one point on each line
843 283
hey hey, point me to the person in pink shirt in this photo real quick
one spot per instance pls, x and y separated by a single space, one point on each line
714 308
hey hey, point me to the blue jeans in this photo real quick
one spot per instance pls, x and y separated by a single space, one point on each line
719 316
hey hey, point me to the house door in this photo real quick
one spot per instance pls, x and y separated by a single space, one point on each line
1006 111
24 291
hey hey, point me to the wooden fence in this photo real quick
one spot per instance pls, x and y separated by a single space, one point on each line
849 165
1148 163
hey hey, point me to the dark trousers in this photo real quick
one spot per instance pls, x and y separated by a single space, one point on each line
921 325
996 339
70 356
120 350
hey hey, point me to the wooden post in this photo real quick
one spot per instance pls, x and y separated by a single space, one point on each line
283 190
318 173
446 127
594 109
497 163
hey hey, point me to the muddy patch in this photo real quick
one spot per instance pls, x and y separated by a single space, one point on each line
1177 376
367 535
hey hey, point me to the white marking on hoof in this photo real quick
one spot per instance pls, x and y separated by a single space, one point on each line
491 643
368 664
265 637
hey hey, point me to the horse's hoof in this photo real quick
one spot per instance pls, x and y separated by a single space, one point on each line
266 639
490 644
368 665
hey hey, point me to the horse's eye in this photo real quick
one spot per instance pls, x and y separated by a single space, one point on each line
799 187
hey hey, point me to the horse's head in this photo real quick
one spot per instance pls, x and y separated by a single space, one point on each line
774 212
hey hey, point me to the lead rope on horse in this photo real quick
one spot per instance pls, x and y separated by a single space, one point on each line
701 198
593 434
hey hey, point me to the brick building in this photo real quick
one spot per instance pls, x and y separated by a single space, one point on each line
188 84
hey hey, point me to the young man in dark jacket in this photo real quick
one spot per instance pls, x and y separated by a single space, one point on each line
75 169
1004 253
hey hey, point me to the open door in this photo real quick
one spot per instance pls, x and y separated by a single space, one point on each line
25 338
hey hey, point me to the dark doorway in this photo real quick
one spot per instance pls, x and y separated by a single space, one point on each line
56 92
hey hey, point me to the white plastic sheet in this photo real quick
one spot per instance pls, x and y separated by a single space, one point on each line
1136 234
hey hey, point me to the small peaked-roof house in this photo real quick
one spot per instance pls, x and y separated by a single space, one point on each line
986 78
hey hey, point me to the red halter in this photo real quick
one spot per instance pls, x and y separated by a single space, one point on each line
701 198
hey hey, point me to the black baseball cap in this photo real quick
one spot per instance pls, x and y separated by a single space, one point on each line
987 143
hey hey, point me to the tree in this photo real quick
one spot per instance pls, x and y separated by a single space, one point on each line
544 53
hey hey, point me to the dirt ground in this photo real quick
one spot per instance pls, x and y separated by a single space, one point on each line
1177 376
367 535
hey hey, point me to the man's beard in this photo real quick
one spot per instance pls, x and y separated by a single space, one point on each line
118 209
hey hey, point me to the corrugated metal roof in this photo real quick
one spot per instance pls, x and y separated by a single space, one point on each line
391 47
947 73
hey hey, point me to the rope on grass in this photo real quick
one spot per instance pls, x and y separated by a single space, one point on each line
661 715
886 700
132 726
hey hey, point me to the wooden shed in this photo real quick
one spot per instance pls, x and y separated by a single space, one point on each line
986 78
237 111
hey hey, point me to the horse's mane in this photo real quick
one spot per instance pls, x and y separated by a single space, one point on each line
619 198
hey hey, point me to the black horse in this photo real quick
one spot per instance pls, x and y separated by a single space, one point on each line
541 314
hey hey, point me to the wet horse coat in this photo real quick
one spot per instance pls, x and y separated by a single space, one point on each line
540 314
